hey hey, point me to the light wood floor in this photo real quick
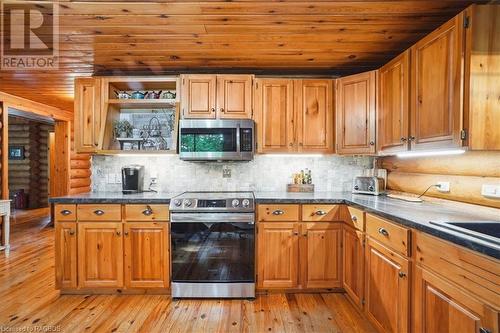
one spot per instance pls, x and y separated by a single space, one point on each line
28 299
20 216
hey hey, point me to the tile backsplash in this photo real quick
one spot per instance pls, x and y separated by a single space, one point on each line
264 173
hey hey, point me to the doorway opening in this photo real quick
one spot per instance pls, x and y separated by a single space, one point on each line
29 163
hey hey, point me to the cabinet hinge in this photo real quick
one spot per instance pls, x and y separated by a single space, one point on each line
256 85
466 21
183 81
363 301
364 243
463 134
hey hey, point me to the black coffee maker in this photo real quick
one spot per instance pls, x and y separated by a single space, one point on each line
132 179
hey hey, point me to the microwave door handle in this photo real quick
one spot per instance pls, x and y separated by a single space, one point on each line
238 148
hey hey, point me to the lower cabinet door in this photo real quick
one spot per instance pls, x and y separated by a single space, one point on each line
443 307
321 261
66 261
100 255
353 264
387 293
277 255
146 255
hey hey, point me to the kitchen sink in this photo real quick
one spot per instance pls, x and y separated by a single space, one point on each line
488 231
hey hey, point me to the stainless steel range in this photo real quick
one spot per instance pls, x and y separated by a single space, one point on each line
212 244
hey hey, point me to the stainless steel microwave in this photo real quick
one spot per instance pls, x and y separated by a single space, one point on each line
216 140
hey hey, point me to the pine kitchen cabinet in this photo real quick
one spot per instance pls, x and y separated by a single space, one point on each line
278 255
387 300
294 115
98 107
103 247
88 114
146 252
393 110
455 289
298 254
66 252
320 249
217 96
356 110
436 86
353 264
314 111
274 115
100 255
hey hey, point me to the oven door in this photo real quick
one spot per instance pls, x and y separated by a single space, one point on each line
207 140
212 247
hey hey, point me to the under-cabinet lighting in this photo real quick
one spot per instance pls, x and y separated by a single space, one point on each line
409 154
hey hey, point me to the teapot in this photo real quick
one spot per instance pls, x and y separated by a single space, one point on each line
138 95
153 95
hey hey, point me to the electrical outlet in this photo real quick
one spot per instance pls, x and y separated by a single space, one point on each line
110 178
226 172
443 186
118 178
490 191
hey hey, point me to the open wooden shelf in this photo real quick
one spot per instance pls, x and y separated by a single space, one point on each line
143 103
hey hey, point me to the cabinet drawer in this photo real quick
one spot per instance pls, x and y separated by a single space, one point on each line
268 213
146 212
317 213
388 233
473 272
65 213
99 212
356 218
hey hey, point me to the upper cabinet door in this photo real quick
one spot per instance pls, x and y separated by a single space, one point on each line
198 96
393 106
234 96
436 98
314 110
274 115
87 114
356 113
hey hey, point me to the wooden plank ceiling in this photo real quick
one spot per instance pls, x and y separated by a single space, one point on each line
158 37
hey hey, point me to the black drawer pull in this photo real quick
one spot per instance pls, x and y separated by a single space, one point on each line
65 212
278 212
384 232
99 212
320 212
354 218
148 211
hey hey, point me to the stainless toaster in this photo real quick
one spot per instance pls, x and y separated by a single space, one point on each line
368 185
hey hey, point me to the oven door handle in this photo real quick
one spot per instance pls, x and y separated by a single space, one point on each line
212 217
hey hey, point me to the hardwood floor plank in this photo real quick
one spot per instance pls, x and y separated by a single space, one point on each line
30 301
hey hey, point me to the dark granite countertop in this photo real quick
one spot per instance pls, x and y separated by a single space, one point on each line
116 198
410 214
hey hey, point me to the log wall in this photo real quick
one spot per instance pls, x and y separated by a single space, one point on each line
466 174
79 179
31 173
